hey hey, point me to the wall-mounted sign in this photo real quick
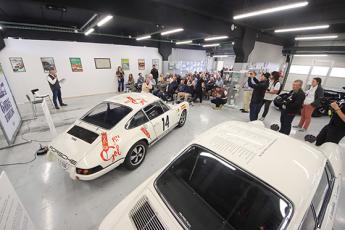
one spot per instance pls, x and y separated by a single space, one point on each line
102 63
125 63
141 64
17 64
76 64
47 63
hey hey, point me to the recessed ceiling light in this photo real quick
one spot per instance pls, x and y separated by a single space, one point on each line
104 20
232 43
310 55
172 31
75 31
302 28
0 27
184 42
322 37
89 31
211 45
143 37
271 10
216 38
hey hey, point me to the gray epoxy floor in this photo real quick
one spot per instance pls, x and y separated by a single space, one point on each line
54 201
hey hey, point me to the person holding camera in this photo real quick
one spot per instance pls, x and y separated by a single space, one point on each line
259 89
311 102
291 106
334 131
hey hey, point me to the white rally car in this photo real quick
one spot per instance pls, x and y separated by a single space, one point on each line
238 176
118 130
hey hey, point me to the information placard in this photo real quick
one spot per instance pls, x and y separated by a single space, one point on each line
10 119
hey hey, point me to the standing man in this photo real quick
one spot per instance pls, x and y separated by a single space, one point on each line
291 107
154 73
55 87
259 89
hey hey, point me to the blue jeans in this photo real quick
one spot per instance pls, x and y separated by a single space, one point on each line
254 111
56 97
121 85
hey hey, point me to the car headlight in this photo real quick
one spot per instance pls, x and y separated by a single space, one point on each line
88 171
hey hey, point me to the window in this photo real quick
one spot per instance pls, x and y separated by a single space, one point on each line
164 106
300 69
138 119
207 192
106 115
309 220
153 110
320 194
319 70
337 72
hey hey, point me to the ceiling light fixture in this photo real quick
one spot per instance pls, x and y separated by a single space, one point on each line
271 10
172 31
104 20
89 31
0 27
184 42
220 56
143 37
232 43
211 45
216 38
302 28
310 55
323 37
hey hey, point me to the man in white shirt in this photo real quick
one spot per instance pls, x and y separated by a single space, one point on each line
55 87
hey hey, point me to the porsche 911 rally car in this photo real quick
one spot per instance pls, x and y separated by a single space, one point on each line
238 176
118 130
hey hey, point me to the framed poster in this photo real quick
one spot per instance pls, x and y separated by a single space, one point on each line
47 62
76 64
141 64
125 63
17 64
156 63
102 63
171 66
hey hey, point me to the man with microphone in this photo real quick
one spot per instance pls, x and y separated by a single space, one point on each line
55 87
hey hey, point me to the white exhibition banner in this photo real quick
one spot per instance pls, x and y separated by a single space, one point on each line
12 212
49 118
10 120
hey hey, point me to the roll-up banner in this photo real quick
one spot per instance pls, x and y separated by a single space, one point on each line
10 119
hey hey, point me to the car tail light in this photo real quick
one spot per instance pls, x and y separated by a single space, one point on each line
88 171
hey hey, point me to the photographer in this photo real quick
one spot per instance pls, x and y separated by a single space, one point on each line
291 107
335 130
259 89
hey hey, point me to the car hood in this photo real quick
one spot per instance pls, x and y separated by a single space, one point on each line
77 141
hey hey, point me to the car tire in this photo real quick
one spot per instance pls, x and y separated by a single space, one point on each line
183 118
136 155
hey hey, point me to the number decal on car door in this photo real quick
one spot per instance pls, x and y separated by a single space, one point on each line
165 123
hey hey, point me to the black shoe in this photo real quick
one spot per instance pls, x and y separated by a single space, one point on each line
57 107
243 111
63 104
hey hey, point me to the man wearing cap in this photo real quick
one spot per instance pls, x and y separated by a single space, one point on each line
259 89
55 87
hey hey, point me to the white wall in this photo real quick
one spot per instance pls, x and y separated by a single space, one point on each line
90 81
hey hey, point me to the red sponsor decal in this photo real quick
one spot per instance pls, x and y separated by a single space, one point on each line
135 101
146 132
110 152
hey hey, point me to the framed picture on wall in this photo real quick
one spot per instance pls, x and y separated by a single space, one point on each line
156 63
102 63
141 64
76 64
47 62
17 64
125 63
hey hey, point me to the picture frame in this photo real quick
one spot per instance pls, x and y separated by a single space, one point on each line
47 63
125 63
76 64
102 63
141 64
17 64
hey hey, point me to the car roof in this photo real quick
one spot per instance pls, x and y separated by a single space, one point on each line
290 166
135 101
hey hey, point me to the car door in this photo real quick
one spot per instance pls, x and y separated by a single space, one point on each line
158 118
140 126
171 115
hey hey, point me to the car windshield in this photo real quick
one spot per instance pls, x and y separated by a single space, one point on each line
206 192
106 114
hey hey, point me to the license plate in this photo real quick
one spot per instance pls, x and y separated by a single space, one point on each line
63 164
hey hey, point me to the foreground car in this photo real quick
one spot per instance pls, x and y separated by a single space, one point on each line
118 130
237 176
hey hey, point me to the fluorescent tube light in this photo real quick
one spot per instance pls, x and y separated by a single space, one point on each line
310 55
271 10
184 42
143 38
324 37
302 28
220 56
211 45
216 38
89 31
172 31
104 20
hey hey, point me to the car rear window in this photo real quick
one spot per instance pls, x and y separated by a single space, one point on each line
106 115
206 192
